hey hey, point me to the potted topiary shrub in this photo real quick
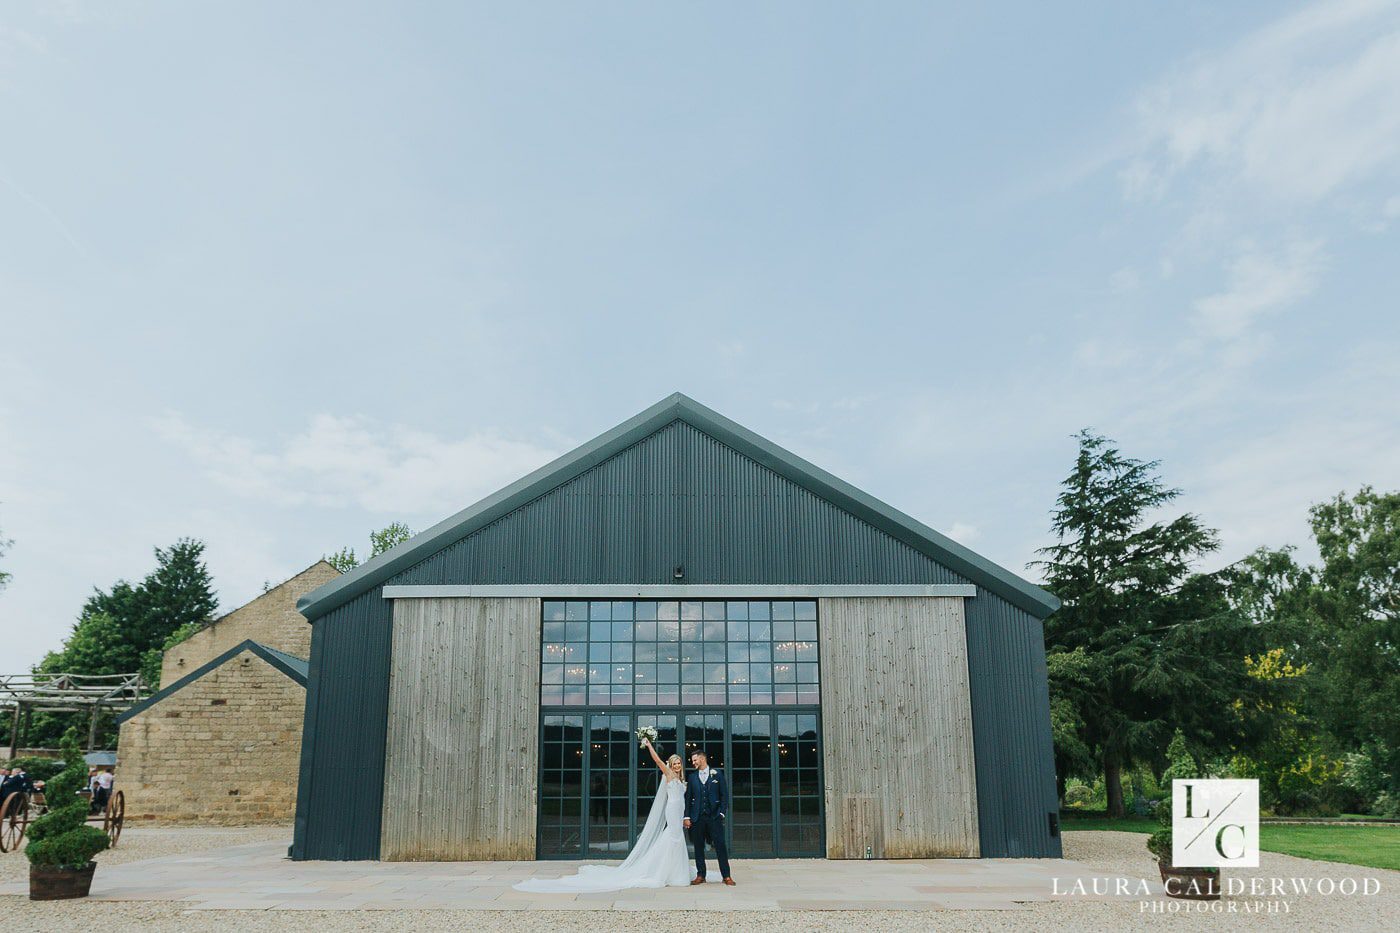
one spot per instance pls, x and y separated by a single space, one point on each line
61 844
1197 884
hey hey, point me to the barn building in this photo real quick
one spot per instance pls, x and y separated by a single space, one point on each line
872 688
220 742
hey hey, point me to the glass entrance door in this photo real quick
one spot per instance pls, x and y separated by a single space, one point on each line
751 830
737 678
597 784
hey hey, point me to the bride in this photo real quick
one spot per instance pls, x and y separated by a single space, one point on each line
657 860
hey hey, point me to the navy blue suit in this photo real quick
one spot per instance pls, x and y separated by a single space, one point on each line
707 808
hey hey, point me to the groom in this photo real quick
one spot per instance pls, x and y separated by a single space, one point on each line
706 805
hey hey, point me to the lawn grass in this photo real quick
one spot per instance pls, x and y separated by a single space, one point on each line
1070 821
1371 846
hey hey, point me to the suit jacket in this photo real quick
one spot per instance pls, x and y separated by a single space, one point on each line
711 797
14 785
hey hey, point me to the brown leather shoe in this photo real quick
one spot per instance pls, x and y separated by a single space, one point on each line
729 881
698 879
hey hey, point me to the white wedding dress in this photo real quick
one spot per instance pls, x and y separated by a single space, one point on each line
659 858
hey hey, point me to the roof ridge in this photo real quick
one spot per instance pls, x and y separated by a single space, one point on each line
289 665
211 622
674 407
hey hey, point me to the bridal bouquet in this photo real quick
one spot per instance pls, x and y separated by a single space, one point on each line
646 732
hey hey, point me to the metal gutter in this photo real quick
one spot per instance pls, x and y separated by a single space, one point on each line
674 591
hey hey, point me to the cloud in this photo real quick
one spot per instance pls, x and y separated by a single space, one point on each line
1106 353
1257 284
1297 110
48 213
1124 280
339 461
806 408
854 402
1289 127
1259 489
963 533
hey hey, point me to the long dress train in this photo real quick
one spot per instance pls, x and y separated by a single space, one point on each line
659 858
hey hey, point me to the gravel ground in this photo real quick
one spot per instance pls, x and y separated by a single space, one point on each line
1112 854
151 841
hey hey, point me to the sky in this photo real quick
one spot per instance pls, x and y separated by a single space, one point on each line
274 275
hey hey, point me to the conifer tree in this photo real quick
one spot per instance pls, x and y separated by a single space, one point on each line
1162 647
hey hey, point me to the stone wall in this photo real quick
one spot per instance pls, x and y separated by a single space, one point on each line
223 749
271 619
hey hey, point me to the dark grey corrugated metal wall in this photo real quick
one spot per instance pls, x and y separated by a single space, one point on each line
340 790
679 497
1011 730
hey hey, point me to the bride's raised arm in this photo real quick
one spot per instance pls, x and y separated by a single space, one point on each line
655 757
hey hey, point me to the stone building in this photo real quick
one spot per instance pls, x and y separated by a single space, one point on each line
221 741
271 620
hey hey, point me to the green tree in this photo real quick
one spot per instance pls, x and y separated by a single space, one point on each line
380 541
97 645
1294 771
343 560
1070 675
1163 648
1180 764
1357 605
392 535
1338 642
124 629
179 591
180 634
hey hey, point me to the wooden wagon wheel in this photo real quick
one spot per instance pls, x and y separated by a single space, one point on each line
14 819
115 816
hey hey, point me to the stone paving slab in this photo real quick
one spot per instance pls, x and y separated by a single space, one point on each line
260 877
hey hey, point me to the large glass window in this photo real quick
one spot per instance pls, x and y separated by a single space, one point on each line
689 652
596 785
751 783
561 783
799 785
739 679
609 790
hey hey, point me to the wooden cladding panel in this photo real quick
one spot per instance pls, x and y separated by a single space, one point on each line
862 827
897 728
462 750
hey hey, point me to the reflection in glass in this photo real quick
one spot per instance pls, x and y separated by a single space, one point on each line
731 648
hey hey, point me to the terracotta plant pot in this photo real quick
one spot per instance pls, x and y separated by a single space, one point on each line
47 883
1192 884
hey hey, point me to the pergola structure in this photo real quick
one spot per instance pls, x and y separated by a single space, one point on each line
66 693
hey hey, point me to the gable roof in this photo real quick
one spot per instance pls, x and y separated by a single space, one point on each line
678 407
294 667
210 623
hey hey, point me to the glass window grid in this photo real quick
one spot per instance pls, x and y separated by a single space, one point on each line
688 652
561 784
609 784
799 780
773 763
